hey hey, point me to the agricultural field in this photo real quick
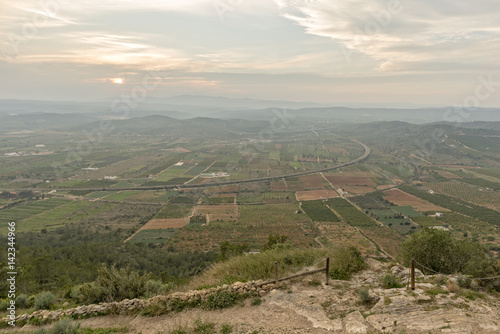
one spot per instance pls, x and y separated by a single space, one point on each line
310 195
161 224
343 233
223 212
312 210
254 234
272 213
401 198
318 211
25 211
350 213
456 205
149 236
469 193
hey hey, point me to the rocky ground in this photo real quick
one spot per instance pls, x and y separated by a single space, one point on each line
307 305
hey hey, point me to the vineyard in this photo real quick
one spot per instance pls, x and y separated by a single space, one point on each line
272 213
319 212
350 213
25 211
456 204
468 193
254 234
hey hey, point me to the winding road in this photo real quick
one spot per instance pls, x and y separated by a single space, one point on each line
191 186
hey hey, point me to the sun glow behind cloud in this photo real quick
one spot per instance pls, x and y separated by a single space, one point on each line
262 48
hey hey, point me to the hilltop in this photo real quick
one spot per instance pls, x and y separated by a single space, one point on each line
306 305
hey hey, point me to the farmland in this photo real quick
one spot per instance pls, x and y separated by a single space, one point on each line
193 205
469 193
318 211
350 213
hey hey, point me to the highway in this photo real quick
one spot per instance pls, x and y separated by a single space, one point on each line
365 155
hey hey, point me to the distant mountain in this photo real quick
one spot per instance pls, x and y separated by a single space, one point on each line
360 115
42 121
167 126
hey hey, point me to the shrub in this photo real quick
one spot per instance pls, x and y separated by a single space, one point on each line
452 287
64 326
220 300
226 329
439 251
22 301
201 327
256 301
364 295
390 281
344 262
4 304
156 287
439 279
44 300
464 281
114 284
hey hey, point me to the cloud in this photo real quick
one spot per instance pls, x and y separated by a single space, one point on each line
401 32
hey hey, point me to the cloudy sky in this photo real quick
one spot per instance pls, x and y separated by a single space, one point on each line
427 52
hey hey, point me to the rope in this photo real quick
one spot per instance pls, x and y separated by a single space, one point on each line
298 268
420 264
482 278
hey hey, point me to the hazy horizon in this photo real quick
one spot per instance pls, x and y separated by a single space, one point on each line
385 53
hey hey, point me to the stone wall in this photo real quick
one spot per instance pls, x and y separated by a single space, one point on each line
258 288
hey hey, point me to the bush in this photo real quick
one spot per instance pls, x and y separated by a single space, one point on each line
345 261
156 287
114 284
22 301
390 281
44 300
439 251
4 304
364 295
256 301
464 281
201 327
64 326
226 329
220 300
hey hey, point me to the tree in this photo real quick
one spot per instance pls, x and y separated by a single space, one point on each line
273 241
439 251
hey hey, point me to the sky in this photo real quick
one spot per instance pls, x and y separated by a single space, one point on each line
385 52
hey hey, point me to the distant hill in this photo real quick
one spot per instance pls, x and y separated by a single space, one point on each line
42 121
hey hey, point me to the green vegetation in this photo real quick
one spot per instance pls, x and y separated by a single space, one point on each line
351 214
456 204
318 211
44 300
440 252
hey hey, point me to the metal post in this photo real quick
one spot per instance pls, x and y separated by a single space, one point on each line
412 273
327 269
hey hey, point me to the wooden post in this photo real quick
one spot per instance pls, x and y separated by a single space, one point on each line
327 269
412 273
276 274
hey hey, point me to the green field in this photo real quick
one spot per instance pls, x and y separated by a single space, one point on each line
318 211
350 213
28 210
174 211
153 236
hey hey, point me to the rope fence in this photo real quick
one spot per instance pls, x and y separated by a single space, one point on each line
411 278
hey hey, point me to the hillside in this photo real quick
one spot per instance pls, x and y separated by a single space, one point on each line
307 305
